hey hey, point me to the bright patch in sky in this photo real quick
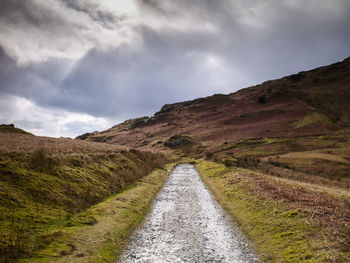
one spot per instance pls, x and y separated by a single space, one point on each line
121 6
41 121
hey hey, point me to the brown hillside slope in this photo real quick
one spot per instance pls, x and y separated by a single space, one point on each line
279 159
313 102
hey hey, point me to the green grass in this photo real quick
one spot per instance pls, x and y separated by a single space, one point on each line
100 233
258 147
41 193
278 232
264 154
312 118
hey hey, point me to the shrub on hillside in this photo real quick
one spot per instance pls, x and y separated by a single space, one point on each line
178 140
262 99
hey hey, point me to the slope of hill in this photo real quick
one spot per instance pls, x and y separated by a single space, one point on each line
46 184
258 126
276 156
313 102
10 128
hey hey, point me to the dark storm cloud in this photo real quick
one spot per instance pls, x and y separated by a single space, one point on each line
30 15
267 37
37 82
182 50
131 82
104 17
33 13
124 82
17 11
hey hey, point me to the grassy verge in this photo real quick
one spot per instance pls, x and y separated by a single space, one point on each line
100 233
314 159
46 182
285 223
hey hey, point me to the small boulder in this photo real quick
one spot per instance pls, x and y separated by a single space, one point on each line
178 140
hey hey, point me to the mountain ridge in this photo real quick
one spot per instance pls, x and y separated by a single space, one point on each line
310 102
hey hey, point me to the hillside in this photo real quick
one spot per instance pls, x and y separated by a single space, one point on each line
275 155
47 185
313 102
10 128
307 114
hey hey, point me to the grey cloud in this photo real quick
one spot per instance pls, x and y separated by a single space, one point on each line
30 125
17 11
124 82
36 30
37 82
297 35
24 15
46 17
184 51
94 11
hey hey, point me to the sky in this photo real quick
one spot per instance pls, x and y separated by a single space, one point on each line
73 66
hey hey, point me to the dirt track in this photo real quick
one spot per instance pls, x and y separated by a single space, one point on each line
186 224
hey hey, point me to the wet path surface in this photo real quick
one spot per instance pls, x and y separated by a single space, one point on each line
186 224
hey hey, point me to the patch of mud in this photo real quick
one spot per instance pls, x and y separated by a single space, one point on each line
186 224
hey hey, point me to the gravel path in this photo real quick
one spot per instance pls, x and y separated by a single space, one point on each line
186 224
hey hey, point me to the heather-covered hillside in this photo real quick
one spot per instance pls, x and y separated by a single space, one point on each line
314 102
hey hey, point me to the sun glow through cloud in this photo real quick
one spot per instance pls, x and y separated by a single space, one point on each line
128 7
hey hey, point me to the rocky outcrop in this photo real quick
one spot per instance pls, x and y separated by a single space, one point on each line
178 140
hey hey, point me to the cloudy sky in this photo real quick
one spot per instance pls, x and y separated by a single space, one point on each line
73 66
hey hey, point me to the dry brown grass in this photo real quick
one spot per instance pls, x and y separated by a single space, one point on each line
328 208
311 155
331 212
286 223
21 143
316 171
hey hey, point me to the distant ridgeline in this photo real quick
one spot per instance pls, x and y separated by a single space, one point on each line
309 103
10 128
7 125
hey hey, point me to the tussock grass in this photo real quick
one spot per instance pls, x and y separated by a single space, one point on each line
44 182
22 143
100 233
314 159
285 223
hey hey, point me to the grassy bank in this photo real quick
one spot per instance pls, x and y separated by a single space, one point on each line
285 223
320 160
113 222
45 183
